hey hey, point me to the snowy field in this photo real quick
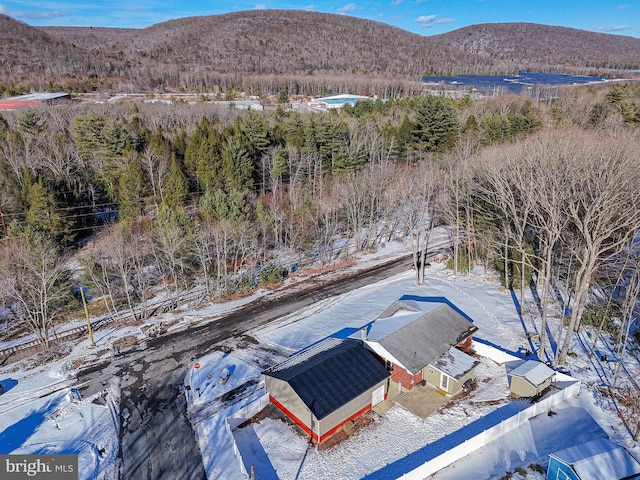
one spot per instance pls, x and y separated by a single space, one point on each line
40 413
277 451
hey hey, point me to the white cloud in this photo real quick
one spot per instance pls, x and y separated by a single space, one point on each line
349 7
617 28
260 6
428 21
309 7
396 2
32 15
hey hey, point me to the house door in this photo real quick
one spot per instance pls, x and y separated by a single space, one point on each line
377 396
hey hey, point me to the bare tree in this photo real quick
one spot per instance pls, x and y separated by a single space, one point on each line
204 248
35 280
418 188
172 236
603 206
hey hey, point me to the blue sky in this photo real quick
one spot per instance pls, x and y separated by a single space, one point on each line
426 17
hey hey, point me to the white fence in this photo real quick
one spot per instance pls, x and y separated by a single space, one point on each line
240 417
569 387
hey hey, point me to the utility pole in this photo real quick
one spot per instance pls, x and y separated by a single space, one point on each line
4 225
86 313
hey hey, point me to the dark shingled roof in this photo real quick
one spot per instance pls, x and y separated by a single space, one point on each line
330 374
424 336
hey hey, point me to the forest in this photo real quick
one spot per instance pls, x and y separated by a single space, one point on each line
135 200
261 52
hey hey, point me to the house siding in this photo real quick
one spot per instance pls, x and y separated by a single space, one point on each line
360 404
522 388
400 375
432 378
284 398
287 397
461 381
454 385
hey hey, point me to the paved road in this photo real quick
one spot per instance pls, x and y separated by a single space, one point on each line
156 438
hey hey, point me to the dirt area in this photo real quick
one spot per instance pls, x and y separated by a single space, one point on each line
422 400
124 343
349 428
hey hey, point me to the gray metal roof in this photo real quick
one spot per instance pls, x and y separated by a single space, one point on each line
601 459
38 96
455 363
418 333
330 374
536 373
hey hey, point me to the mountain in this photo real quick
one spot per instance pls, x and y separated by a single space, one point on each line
532 45
267 50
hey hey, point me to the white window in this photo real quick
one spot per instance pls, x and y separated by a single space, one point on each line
430 371
444 382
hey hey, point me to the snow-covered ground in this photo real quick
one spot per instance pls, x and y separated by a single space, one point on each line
36 401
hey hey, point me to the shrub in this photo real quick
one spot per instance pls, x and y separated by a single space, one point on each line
521 471
463 262
270 274
537 468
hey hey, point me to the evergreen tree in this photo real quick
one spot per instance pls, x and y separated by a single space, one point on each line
44 215
176 188
231 206
131 190
237 167
436 127
203 156
88 132
255 128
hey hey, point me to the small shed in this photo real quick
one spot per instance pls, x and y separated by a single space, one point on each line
528 378
327 385
599 459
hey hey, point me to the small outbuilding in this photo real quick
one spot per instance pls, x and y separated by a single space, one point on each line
599 459
327 385
528 378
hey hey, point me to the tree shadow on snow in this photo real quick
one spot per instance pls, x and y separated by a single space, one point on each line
16 435
7 384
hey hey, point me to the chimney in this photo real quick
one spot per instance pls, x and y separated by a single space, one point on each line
363 334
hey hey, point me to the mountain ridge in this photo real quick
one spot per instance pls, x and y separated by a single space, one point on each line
246 47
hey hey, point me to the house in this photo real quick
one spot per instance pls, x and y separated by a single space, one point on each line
327 385
598 459
424 338
528 378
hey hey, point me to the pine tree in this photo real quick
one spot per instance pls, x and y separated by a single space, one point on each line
176 188
237 167
202 158
44 215
436 127
131 190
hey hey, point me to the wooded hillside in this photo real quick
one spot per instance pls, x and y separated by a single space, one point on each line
299 51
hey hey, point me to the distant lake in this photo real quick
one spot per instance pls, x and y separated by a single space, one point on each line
523 81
